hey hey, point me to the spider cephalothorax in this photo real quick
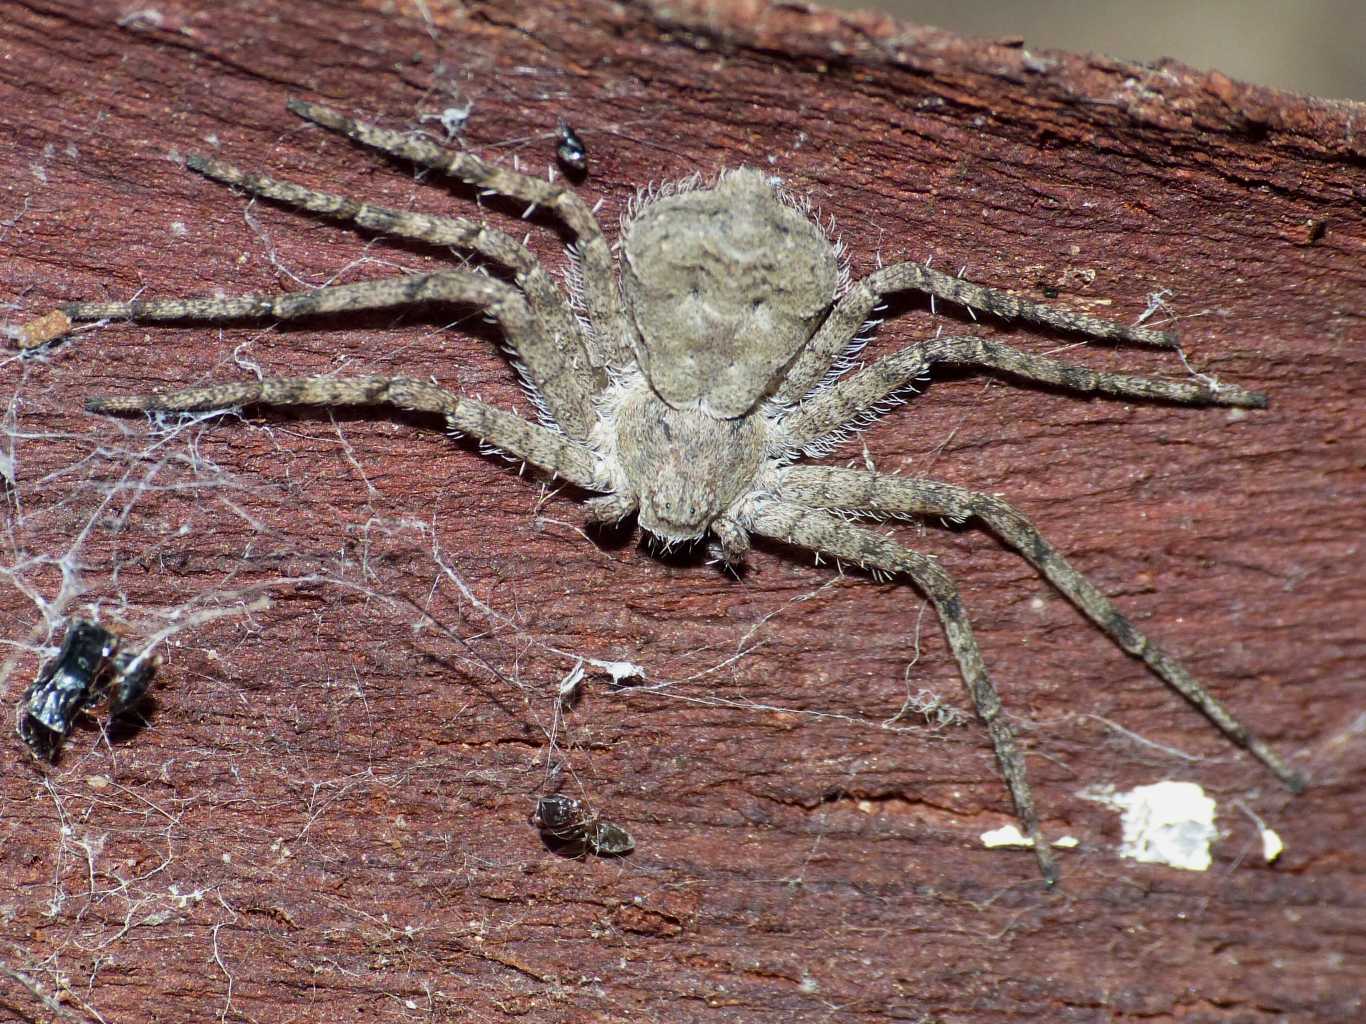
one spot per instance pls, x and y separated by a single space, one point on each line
685 395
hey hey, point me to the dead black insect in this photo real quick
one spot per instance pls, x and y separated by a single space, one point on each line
64 686
570 150
565 821
88 668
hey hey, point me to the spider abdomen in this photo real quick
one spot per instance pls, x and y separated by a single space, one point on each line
725 286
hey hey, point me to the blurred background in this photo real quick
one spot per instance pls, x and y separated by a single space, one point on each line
1315 47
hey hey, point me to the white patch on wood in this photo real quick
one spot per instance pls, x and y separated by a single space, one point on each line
1168 823
1011 836
1271 844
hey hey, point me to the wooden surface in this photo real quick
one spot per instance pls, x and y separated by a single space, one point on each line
326 814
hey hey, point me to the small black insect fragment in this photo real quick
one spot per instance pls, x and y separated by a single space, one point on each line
132 678
565 821
559 817
607 839
570 150
88 668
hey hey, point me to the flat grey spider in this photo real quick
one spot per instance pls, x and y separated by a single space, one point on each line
686 394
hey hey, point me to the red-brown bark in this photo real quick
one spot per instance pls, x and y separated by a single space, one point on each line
327 814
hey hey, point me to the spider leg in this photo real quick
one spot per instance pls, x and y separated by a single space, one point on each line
854 307
858 396
561 326
829 488
610 344
610 508
506 431
565 391
732 538
819 531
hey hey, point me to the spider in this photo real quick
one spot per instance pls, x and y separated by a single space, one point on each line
686 393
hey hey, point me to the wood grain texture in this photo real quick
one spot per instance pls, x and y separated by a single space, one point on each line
327 812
